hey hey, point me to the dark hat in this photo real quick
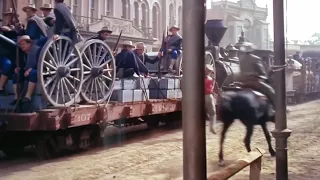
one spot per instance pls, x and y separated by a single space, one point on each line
105 29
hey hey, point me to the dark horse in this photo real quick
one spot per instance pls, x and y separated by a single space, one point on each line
251 108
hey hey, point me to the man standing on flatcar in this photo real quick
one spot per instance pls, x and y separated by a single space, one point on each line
139 51
11 30
65 23
173 47
36 28
29 72
127 63
102 35
48 14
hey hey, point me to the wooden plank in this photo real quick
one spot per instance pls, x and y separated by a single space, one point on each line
240 164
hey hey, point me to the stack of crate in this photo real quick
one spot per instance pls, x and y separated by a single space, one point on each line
141 89
38 101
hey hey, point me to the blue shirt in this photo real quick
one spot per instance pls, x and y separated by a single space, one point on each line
34 31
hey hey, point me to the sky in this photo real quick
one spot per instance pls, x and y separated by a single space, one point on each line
302 17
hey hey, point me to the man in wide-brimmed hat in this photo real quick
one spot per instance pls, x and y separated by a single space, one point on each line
144 58
29 71
48 14
173 47
210 96
65 23
36 28
127 62
252 71
103 34
8 17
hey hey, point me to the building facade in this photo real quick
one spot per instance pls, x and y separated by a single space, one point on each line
243 15
139 20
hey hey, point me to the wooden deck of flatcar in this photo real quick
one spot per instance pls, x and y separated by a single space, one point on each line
62 118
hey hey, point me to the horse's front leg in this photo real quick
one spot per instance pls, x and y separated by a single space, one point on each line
247 139
268 138
223 135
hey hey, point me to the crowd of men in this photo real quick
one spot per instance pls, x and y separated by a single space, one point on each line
59 21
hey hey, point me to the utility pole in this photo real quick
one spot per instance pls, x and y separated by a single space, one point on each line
281 133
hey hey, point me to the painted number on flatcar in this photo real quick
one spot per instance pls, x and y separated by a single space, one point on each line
82 117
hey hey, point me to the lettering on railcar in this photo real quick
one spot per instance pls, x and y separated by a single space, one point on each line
82 117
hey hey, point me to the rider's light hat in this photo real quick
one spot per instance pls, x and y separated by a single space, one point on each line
246 47
128 43
46 7
8 12
30 6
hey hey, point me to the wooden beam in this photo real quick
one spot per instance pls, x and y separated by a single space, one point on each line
253 159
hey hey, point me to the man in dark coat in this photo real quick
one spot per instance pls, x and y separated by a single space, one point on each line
29 71
127 63
139 51
65 23
48 14
36 28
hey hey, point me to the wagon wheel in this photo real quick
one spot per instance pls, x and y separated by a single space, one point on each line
60 72
210 60
179 65
99 71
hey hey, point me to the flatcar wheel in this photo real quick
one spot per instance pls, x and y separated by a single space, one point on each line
99 71
46 147
60 72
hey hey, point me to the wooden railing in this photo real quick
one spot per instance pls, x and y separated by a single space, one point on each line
252 159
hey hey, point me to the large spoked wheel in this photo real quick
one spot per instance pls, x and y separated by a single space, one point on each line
210 60
60 72
99 71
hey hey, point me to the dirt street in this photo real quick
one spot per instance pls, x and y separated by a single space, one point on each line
160 157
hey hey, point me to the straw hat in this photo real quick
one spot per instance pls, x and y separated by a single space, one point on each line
209 67
140 45
105 29
30 6
23 38
46 7
9 12
174 27
128 43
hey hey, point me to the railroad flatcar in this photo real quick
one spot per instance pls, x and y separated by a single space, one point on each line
78 95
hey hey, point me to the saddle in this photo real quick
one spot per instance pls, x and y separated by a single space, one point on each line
237 86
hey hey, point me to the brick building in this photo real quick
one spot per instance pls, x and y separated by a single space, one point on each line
140 20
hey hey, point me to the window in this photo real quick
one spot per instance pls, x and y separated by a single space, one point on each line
109 7
75 7
92 8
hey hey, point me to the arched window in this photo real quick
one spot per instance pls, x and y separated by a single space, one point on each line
155 20
125 9
247 29
180 17
136 14
109 7
171 15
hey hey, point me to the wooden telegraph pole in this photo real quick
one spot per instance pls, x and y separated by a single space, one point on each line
194 139
281 133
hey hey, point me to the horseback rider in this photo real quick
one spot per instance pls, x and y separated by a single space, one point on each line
36 28
49 17
65 23
253 73
173 47
103 34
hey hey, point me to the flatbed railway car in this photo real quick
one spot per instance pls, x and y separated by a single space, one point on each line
78 95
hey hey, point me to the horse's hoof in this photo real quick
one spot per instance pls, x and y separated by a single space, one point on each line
221 163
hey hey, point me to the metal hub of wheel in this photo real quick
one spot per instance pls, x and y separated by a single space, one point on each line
99 71
60 72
